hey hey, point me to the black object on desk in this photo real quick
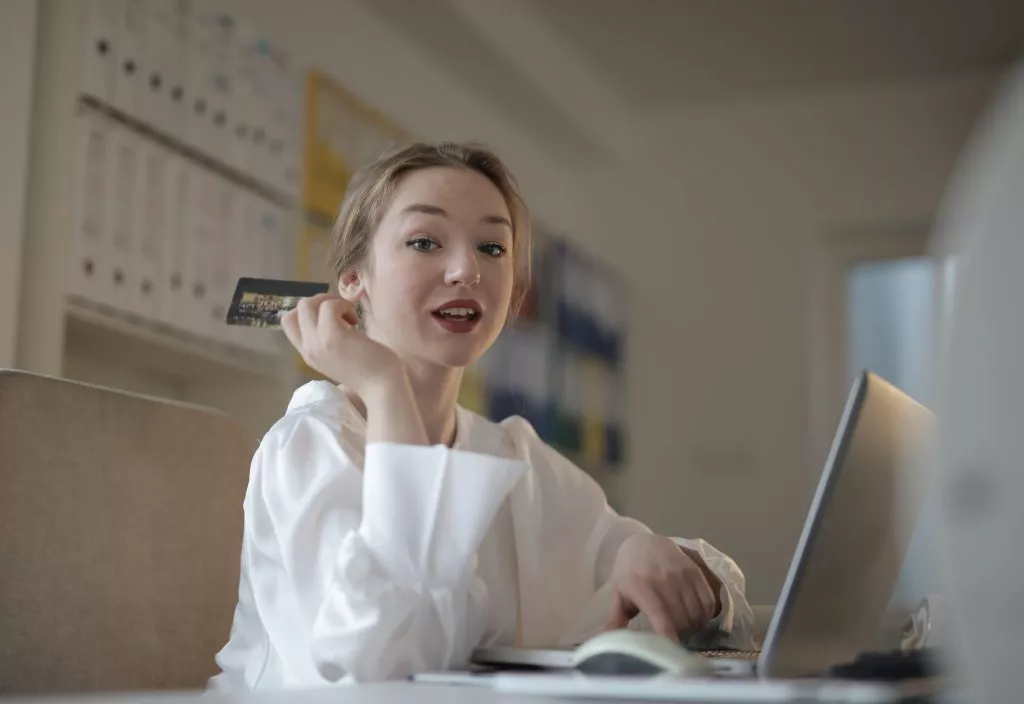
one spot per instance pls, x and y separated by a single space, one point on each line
890 667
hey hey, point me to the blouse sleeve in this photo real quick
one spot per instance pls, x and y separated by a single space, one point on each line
587 530
734 625
378 563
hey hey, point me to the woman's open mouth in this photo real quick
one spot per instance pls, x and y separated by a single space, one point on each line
458 316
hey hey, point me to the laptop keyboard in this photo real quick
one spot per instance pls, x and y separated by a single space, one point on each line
731 654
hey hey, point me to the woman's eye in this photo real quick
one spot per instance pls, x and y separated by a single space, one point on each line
493 249
423 244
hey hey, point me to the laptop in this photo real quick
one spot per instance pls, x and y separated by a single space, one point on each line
849 554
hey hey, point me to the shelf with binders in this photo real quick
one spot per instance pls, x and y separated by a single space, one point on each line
587 416
512 378
526 373
187 152
516 374
131 223
584 304
566 379
201 80
588 303
187 127
159 240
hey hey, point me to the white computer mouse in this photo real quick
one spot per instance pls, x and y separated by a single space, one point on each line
630 652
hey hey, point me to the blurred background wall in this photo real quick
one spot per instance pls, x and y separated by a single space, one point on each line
732 162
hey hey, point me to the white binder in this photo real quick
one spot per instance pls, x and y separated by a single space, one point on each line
152 229
120 283
258 164
290 168
92 183
277 261
221 80
99 55
160 71
243 109
198 132
286 103
175 67
200 217
173 298
248 256
222 285
237 265
128 94
283 246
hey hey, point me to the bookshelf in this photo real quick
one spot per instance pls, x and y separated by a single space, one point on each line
64 333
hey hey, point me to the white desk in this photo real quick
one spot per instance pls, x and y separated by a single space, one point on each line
410 693
384 693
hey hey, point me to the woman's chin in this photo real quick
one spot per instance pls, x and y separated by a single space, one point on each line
453 356
456 359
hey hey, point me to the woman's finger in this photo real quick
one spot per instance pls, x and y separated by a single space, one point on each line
622 612
673 596
653 606
692 606
290 325
344 310
317 300
707 600
349 312
332 314
702 586
307 311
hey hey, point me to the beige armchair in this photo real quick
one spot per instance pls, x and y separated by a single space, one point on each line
120 527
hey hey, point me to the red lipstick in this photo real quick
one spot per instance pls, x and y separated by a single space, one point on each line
458 316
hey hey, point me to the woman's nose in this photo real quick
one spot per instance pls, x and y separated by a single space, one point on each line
463 270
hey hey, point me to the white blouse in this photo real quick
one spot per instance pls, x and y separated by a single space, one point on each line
365 562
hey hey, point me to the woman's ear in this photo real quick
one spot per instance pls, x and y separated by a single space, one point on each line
350 286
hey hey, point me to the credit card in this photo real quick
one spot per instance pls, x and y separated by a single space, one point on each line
260 303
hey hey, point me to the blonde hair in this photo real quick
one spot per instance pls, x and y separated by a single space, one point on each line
370 191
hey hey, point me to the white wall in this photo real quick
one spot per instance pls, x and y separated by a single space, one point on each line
713 218
722 429
18 39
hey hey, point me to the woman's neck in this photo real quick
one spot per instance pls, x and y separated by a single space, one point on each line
436 390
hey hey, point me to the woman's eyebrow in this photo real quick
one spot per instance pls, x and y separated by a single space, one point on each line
428 209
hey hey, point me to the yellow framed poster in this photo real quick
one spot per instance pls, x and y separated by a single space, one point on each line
342 135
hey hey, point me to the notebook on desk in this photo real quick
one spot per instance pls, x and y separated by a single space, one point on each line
830 605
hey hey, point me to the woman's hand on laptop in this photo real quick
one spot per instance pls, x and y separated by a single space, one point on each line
673 588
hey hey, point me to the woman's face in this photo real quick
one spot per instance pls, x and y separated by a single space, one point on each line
438 280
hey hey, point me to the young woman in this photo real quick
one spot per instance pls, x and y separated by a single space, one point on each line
388 530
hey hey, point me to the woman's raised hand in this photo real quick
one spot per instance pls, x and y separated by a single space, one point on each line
323 329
